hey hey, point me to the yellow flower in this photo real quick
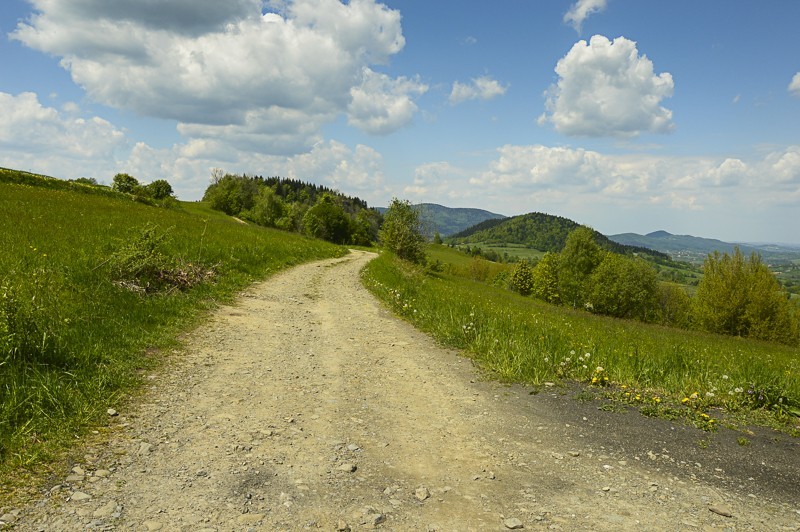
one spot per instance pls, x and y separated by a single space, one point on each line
685 400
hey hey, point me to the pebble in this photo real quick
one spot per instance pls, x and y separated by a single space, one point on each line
111 412
102 473
721 510
376 519
347 467
145 448
80 496
512 523
422 493
104 511
342 526
152 526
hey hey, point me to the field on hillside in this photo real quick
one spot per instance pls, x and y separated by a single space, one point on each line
516 251
667 372
78 327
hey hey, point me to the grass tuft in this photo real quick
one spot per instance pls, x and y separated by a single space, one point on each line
93 287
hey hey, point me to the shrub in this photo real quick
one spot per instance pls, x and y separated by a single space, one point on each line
522 278
402 231
545 279
140 266
328 221
741 297
125 183
624 288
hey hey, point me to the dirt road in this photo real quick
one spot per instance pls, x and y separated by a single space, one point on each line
307 406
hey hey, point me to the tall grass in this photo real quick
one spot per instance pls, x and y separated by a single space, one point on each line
71 340
524 340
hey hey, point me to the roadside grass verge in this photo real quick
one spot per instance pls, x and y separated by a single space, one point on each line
663 372
75 339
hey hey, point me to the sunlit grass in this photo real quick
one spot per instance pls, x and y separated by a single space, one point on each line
524 340
71 341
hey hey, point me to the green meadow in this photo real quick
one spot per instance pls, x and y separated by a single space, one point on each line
75 334
662 371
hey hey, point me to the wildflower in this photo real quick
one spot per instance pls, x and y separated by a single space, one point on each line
738 390
599 369
572 352
709 394
724 377
684 400
695 395
586 355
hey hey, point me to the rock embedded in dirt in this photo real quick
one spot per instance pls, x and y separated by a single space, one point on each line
79 496
422 493
721 510
347 467
512 523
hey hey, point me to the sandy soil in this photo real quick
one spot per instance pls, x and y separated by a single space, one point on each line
308 406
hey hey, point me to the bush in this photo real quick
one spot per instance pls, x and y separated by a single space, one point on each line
741 297
159 189
624 288
522 278
545 279
328 221
674 306
125 183
141 267
402 231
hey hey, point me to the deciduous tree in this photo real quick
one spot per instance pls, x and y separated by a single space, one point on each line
402 231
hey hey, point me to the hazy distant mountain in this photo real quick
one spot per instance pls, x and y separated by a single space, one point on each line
448 220
696 249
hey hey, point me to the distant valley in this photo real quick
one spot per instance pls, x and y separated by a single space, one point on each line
695 249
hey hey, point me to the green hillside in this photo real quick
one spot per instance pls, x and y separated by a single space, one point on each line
536 230
94 290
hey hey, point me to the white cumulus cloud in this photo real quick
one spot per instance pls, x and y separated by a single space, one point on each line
381 104
32 132
794 86
482 88
605 88
581 10
269 80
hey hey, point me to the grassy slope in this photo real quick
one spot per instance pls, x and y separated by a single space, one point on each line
91 338
524 340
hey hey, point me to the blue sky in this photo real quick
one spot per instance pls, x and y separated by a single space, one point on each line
624 115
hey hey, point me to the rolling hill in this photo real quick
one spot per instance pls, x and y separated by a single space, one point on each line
537 230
